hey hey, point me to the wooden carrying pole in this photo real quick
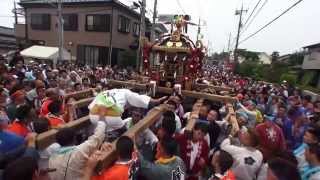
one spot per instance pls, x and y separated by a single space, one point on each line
198 95
81 94
152 116
47 138
144 86
186 93
128 83
217 88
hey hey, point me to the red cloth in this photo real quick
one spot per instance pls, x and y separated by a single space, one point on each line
44 107
271 139
18 129
116 172
55 121
229 176
185 152
17 94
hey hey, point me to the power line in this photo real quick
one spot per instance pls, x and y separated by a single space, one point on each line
254 9
180 6
254 17
287 10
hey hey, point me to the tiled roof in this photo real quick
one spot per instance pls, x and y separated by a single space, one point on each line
161 27
7 38
64 1
6 31
313 46
73 2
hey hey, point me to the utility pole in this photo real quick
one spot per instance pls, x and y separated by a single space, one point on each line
111 39
155 14
141 33
235 53
229 42
15 13
199 29
60 31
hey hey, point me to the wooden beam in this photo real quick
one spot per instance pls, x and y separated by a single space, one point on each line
71 107
152 116
217 88
210 97
82 103
81 94
173 50
165 90
198 95
47 138
129 84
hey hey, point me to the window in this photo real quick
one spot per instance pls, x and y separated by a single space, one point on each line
40 21
70 22
92 55
98 23
123 24
136 29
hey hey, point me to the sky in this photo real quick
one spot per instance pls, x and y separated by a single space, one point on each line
297 28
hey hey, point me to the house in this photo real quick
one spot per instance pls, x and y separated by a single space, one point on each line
284 58
262 57
96 32
7 40
160 29
311 63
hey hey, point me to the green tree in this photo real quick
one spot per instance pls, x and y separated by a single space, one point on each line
296 58
290 78
248 55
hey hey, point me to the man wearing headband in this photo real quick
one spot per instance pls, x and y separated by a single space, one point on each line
253 113
242 119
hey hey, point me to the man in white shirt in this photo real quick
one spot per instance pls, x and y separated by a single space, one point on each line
145 137
247 158
311 136
312 170
70 160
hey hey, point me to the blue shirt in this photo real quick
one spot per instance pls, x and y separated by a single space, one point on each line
10 141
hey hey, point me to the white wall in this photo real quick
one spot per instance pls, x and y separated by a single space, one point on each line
264 58
311 60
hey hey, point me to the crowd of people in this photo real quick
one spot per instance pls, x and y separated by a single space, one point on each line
278 136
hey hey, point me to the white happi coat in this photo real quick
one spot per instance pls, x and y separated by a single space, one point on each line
122 97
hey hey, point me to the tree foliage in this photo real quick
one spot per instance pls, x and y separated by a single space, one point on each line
249 55
262 71
290 78
296 58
